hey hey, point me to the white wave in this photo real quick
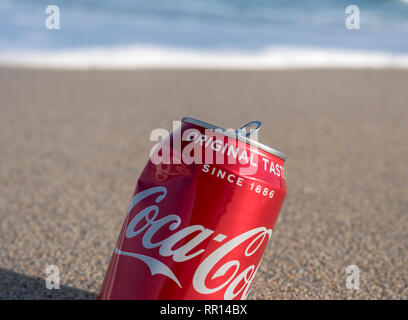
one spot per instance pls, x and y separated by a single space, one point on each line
138 57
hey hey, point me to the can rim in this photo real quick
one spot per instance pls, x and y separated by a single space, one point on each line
236 136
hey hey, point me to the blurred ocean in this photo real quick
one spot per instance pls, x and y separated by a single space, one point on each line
213 33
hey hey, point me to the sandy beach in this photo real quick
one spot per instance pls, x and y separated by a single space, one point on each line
73 144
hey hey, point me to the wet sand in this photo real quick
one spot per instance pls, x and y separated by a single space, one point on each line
74 142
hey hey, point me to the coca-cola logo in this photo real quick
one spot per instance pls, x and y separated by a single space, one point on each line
147 224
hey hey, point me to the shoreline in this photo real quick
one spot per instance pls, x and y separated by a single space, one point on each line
201 68
275 58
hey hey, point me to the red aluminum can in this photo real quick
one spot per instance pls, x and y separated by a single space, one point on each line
197 226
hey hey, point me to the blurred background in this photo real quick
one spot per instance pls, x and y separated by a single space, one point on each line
217 33
78 104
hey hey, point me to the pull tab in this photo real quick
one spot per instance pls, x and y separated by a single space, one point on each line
246 133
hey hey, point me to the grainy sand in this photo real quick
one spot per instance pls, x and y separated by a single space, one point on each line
73 143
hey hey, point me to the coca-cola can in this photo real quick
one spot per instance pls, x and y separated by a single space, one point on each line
200 218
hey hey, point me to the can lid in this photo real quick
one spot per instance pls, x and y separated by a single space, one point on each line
241 134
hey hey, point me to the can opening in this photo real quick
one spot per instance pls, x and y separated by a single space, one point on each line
241 134
246 130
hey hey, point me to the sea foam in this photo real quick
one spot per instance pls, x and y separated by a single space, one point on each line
146 57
